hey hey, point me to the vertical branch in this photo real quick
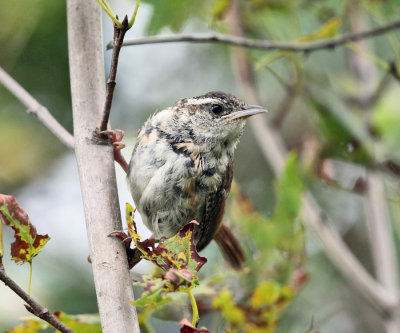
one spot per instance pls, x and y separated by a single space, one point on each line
96 169
378 223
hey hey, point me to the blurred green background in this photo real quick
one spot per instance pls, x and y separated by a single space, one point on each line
324 97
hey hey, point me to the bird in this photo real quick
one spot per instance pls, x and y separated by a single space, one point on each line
182 165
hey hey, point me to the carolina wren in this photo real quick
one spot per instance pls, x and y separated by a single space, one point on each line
181 168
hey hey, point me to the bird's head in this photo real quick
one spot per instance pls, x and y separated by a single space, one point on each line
215 116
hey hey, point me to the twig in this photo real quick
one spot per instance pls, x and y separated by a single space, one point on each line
36 109
274 151
262 44
119 34
34 307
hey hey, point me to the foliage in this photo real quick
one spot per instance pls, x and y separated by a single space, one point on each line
282 232
274 265
260 312
77 323
256 298
179 261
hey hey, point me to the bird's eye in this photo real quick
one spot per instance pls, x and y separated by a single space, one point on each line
216 108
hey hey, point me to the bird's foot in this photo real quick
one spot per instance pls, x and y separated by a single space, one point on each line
134 255
116 137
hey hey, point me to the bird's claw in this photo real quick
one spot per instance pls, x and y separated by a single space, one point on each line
116 136
125 239
134 255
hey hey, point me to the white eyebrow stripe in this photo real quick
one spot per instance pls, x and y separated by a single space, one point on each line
195 101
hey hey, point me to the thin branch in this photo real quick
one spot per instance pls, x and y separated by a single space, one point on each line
263 44
274 151
34 307
36 109
119 34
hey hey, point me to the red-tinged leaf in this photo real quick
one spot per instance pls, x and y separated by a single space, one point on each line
189 328
27 242
178 252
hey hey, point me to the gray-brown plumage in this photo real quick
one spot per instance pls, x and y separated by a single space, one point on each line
181 168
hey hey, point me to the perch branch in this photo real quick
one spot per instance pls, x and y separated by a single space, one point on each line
263 44
113 285
36 109
33 306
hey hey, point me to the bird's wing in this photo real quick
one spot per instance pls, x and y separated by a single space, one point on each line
214 209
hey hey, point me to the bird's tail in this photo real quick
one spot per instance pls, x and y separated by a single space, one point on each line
230 247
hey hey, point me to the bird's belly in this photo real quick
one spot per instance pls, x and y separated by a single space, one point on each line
165 194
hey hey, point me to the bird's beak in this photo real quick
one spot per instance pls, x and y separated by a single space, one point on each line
247 111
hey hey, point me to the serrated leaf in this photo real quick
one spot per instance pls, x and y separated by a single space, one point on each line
27 242
178 252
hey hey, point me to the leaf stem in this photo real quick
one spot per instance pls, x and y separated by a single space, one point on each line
195 310
107 9
30 277
132 20
1 240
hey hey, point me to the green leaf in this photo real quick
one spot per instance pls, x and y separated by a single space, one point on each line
31 325
219 8
152 296
337 136
329 29
88 323
289 190
386 118
269 293
27 242
173 14
225 303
